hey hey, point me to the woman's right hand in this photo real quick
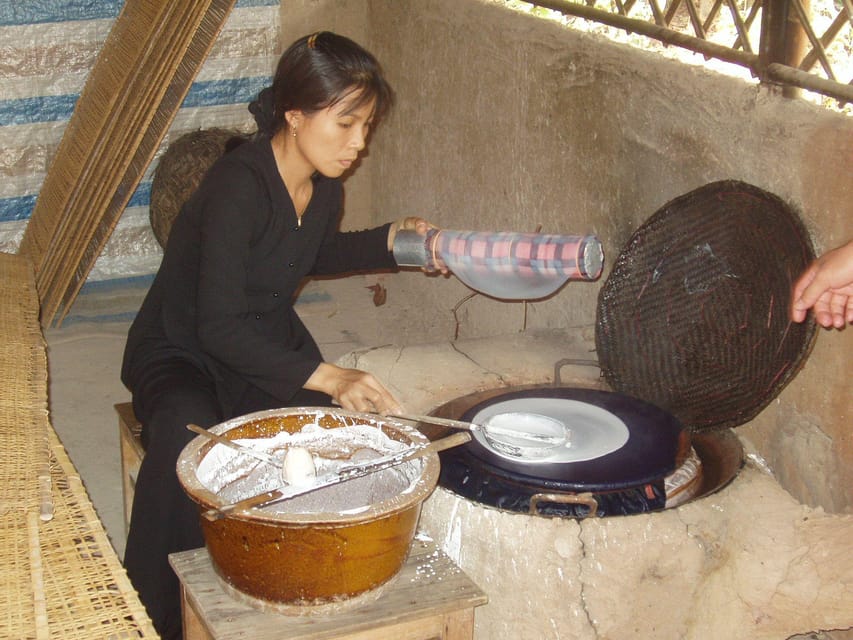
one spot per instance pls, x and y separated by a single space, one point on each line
353 389
421 226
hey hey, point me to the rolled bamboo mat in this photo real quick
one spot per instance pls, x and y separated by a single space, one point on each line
61 577
141 76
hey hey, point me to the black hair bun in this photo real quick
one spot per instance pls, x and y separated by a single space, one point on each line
263 108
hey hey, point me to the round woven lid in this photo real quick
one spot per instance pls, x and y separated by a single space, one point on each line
179 173
694 314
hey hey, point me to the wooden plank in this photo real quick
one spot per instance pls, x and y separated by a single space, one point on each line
430 598
130 446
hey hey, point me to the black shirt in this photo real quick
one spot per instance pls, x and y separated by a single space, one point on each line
236 255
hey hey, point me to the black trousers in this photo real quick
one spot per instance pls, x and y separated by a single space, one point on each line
167 396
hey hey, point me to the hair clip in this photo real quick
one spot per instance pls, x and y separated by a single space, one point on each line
312 40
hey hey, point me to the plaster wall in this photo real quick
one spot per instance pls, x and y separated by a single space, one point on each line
507 122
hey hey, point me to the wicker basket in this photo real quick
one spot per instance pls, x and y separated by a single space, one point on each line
179 173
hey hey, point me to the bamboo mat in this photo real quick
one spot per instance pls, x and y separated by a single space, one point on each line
61 577
143 73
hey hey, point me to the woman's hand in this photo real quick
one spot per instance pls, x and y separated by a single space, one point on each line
353 389
414 223
827 285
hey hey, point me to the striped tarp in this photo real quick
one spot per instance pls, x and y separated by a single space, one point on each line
46 51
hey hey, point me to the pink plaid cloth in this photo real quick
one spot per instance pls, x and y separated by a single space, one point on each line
516 265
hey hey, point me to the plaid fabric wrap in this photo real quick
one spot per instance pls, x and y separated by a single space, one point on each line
525 255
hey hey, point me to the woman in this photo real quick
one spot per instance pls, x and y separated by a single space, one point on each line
217 335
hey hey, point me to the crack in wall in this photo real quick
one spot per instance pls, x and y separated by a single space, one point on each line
582 582
357 354
499 376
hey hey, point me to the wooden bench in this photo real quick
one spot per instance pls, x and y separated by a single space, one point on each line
430 599
132 451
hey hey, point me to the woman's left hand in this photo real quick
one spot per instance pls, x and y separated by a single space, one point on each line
353 389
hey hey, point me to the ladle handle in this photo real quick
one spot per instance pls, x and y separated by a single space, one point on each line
357 471
218 439
443 422
544 439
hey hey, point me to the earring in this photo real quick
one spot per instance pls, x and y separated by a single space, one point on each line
293 132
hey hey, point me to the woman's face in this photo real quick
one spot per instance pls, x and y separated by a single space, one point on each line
330 140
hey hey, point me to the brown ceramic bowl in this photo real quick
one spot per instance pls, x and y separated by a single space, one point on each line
307 559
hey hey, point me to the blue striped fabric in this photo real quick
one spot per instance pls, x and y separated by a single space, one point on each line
16 208
39 91
201 94
23 12
36 109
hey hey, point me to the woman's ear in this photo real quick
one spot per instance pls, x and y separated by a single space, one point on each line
293 118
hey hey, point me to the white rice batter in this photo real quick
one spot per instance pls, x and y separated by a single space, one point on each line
235 476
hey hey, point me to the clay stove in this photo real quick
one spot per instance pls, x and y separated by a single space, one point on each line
745 561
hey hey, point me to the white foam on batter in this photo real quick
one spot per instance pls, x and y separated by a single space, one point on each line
234 476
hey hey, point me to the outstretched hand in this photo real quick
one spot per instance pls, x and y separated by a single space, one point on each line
353 389
827 286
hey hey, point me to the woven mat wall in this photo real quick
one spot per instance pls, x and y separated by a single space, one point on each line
131 96
61 577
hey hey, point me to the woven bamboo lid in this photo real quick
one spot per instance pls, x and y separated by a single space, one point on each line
694 315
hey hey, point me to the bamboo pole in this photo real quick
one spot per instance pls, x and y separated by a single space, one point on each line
783 73
765 68
664 34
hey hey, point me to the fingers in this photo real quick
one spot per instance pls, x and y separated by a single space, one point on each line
816 291
436 264
365 394
416 223
834 310
822 310
800 304
409 223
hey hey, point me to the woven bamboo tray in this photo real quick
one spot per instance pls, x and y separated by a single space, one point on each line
61 577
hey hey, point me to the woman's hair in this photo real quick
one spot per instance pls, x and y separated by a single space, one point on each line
315 73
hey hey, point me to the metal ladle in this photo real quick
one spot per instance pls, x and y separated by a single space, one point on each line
258 455
539 438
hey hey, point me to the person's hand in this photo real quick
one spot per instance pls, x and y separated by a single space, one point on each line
827 285
353 389
414 223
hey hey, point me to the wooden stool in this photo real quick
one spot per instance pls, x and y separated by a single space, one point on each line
430 599
132 451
